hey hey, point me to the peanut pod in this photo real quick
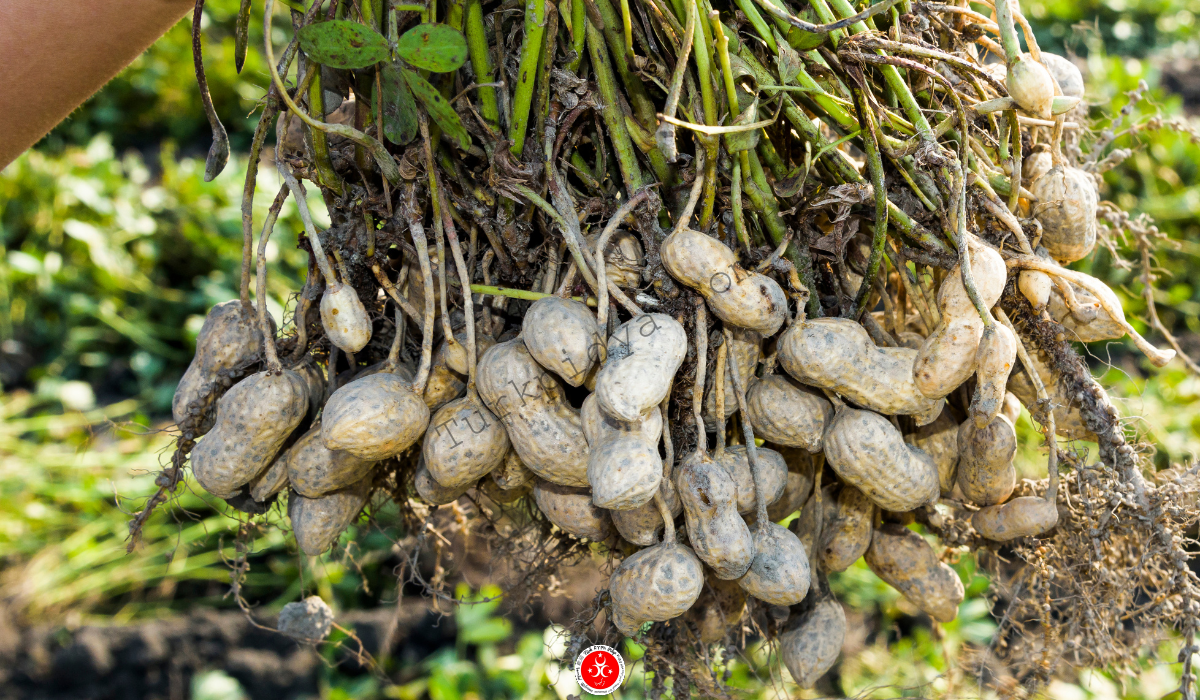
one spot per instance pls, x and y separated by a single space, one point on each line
318 522
230 338
787 413
374 417
464 441
655 584
643 355
571 509
869 453
906 562
846 535
986 474
718 534
779 573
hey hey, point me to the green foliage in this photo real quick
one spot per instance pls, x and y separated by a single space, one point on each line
433 47
399 109
439 108
343 44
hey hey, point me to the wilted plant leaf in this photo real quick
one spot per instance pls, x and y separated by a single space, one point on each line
399 107
435 47
343 44
439 109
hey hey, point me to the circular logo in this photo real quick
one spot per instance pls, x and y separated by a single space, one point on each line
600 670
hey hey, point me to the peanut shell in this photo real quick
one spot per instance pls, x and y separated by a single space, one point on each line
1066 209
643 355
512 472
434 493
655 584
812 641
1026 516
314 470
746 351
318 522
846 535
869 453
464 441
229 339
720 606
718 534
779 573
939 440
375 417
571 509
773 474
993 363
344 318
562 335
787 413
643 525
906 562
986 473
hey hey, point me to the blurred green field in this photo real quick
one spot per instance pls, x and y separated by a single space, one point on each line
112 248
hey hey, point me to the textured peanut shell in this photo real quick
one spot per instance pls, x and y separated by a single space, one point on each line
563 337
502 495
1012 407
1066 208
779 573
1036 286
434 493
718 534
230 337
544 429
812 519
993 363
1089 322
512 472
464 441
643 525
1026 516
344 318
906 562
444 384
375 417
624 471
947 357
737 296
270 482
1068 422
720 605
869 453
314 470
1066 73
643 355
795 492
598 427
623 258
571 509
1036 164
986 473
1030 86
655 584
837 354
318 385
746 351
846 535
811 644
773 472
254 418
318 522
939 440
787 413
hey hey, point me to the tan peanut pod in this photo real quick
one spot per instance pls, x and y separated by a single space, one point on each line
444 384
544 429
563 337
314 470
817 509
598 427
318 385
655 584
643 525
737 296
910 340
1087 322
502 495
229 338
812 641
846 535
837 354
1030 86
787 413
1026 516
869 453
254 418
1066 209
779 573
464 441
1068 422
1012 407
986 473
1066 74
318 522
344 318
623 258
906 562
773 473
1037 287
939 440
434 493
274 480
643 355
375 417
746 351
795 492
624 471
512 472
1035 165
947 357
993 363
718 534
720 606
571 509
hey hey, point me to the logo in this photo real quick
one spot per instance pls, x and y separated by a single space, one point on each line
600 669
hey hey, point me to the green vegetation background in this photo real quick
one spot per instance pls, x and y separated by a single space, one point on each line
112 248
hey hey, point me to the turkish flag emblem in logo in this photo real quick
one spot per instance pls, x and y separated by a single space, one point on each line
600 670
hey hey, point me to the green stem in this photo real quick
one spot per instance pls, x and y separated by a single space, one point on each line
520 293
578 33
614 119
326 175
481 64
702 52
627 26
735 196
1008 32
531 55
760 25
875 169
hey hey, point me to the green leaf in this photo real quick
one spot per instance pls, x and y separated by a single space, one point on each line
342 44
434 47
744 140
489 631
399 107
439 108
787 60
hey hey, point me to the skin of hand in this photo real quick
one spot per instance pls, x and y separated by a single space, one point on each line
54 54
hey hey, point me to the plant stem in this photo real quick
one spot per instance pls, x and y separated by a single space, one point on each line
614 119
477 46
875 169
702 51
531 54
326 175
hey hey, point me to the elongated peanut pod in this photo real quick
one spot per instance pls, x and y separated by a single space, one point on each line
717 533
779 574
906 562
318 522
571 509
993 363
846 536
1026 516
643 356
868 452
813 640
986 473
939 440
563 336
655 584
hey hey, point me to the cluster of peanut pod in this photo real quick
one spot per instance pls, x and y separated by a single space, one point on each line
855 395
